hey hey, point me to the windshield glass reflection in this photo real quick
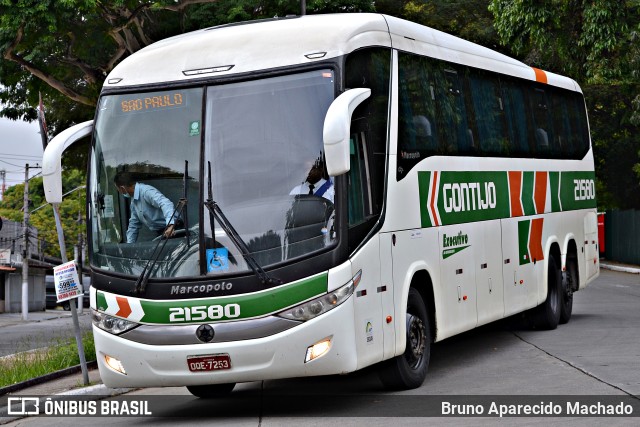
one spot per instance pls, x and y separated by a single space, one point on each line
144 161
264 142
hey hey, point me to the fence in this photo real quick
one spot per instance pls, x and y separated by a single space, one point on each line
622 236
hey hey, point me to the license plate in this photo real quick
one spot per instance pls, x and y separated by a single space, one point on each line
211 362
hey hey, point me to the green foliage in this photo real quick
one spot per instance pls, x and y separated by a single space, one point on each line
582 38
71 210
32 364
469 20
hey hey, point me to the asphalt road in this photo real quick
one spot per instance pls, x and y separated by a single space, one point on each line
18 336
596 354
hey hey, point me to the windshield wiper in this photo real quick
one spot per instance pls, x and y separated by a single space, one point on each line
216 212
181 209
141 283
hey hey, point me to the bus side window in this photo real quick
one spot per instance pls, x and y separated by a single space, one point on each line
417 128
488 104
546 144
360 207
563 129
581 133
369 68
456 121
514 106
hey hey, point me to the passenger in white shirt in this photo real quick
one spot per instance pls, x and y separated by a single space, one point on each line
317 183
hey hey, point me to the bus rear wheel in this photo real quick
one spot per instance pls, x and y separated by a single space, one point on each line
409 370
211 391
568 286
547 314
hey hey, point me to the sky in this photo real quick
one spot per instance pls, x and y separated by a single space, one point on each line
20 143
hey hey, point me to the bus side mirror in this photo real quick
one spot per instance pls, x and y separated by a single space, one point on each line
336 132
51 160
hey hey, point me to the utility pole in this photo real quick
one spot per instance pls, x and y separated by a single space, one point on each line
79 256
3 174
25 252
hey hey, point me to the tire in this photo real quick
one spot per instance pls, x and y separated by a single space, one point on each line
409 370
568 285
547 315
66 306
211 391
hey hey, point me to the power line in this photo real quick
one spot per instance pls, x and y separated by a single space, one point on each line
14 154
10 164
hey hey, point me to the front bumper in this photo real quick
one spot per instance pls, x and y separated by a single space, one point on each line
277 356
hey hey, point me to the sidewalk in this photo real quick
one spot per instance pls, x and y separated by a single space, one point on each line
59 383
618 266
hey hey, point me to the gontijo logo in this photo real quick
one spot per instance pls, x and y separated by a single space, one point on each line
467 196
456 197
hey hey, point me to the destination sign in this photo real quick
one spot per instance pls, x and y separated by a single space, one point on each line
152 103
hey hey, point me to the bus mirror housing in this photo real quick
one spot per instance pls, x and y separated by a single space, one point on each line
336 132
51 160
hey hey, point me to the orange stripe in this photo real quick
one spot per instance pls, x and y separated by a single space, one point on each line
125 308
433 197
540 192
541 76
515 179
535 240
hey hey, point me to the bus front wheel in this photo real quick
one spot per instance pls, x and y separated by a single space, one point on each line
211 391
409 369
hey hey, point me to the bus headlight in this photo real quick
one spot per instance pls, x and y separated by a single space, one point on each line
113 325
316 307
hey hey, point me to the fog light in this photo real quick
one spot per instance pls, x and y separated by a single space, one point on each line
114 364
319 349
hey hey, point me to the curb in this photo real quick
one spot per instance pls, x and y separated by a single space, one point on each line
45 378
620 268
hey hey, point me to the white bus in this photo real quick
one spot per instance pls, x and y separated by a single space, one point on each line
457 189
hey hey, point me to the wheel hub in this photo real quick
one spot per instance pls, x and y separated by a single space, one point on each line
416 340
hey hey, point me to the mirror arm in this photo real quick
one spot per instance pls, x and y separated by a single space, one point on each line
337 126
52 159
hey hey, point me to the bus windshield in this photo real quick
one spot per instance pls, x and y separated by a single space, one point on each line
263 147
263 168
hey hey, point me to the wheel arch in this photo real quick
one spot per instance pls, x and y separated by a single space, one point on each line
420 277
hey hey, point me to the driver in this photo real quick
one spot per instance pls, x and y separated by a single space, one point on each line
149 207
317 182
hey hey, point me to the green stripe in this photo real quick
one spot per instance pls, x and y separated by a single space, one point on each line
452 251
577 190
473 196
252 305
554 185
461 194
528 179
523 241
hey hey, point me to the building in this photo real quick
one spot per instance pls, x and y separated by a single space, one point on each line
11 257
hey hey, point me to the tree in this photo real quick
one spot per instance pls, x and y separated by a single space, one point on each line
42 219
470 20
65 48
